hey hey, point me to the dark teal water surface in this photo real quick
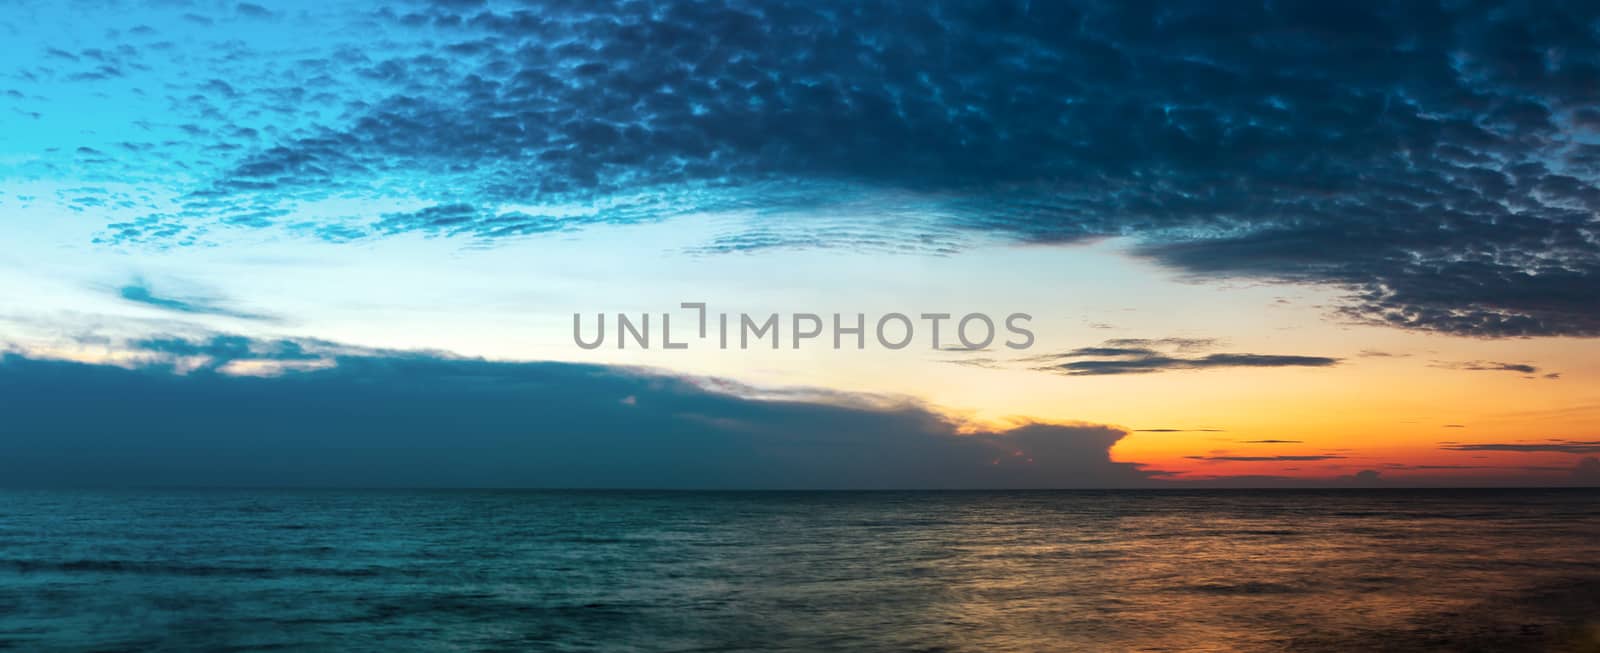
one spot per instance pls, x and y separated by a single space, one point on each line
242 570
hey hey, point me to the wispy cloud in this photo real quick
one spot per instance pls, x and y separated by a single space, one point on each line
1375 353
140 292
980 362
1550 446
1176 344
1136 356
1486 366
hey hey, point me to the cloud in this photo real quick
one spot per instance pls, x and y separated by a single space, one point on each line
1178 344
1139 357
1435 164
228 410
238 354
1587 471
1556 446
1110 351
1375 353
980 362
1439 467
1172 430
422 419
458 219
140 292
1271 441
1488 366
253 10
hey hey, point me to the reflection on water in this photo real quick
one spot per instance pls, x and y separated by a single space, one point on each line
1001 571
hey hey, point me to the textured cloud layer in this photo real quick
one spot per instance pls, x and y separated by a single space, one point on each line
1437 161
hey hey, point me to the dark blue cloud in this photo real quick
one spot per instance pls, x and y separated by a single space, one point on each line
1435 160
459 219
417 419
1144 356
1157 363
140 292
253 10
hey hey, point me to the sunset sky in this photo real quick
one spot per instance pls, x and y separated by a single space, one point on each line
344 243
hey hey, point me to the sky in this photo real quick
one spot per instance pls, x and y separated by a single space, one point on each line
343 243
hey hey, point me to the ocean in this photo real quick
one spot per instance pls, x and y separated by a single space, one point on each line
379 570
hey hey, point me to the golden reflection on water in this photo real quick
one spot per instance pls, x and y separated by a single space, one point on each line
1270 577
680 571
